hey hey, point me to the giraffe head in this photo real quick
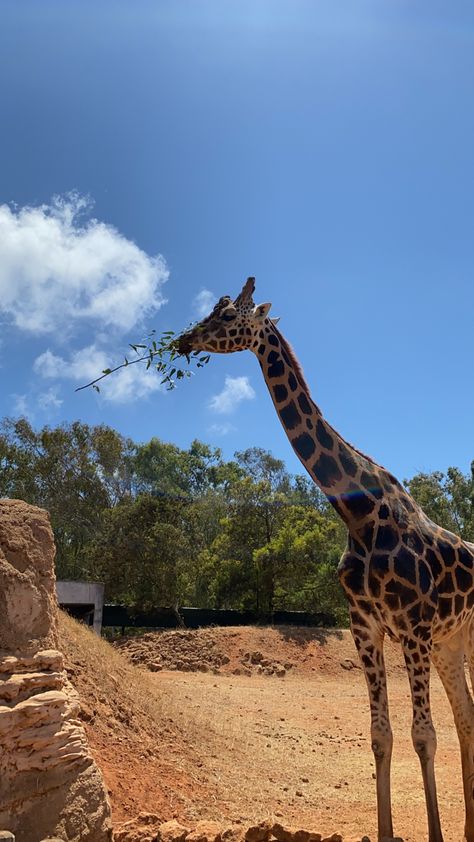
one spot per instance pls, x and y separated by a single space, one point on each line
231 326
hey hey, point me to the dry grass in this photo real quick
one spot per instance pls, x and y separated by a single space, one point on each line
108 683
140 733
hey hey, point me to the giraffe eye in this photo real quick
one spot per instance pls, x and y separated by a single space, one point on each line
228 316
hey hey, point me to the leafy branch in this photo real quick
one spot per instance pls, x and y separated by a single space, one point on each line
161 353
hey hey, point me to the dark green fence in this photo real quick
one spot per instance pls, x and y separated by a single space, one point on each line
193 618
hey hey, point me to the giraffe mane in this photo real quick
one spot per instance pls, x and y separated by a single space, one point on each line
293 358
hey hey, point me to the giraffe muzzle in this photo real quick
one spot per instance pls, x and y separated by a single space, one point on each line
185 345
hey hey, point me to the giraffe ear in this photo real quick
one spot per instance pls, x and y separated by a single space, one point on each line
261 311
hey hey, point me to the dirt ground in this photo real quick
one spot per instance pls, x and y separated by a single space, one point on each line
246 747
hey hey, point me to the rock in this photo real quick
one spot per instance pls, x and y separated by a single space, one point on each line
259 832
347 664
155 666
6 835
86 713
289 834
282 833
205 831
232 834
336 837
280 671
172 831
144 828
50 785
256 657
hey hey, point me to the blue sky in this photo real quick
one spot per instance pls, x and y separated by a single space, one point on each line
324 146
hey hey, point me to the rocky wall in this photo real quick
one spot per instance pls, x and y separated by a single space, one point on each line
49 782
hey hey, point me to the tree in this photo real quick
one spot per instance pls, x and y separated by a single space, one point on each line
304 554
140 552
161 468
161 525
74 471
448 499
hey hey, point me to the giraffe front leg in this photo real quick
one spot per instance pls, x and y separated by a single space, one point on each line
417 659
369 644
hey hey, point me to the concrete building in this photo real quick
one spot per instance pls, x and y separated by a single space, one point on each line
83 600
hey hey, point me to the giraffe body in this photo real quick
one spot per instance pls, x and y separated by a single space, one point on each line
403 575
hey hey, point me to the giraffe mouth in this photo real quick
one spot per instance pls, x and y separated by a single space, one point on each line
185 343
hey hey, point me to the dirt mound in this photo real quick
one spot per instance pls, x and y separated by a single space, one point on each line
134 731
185 650
250 650
213 650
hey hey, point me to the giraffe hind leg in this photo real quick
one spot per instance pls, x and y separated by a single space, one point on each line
417 658
448 658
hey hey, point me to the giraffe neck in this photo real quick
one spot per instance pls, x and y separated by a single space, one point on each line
354 485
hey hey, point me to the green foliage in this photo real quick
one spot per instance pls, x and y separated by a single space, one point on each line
140 552
303 557
448 499
159 351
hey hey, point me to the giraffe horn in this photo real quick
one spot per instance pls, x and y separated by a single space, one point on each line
275 320
246 292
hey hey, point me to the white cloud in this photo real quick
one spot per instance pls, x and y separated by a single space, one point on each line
56 269
123 386
236 389
49 400
20 405
221 429
204 302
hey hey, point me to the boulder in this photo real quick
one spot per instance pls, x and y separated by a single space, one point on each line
172 831
50 785
145 828
205 831
259 832
291 834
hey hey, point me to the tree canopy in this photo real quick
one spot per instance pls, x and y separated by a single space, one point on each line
161 525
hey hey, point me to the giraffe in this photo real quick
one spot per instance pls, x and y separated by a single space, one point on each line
403 575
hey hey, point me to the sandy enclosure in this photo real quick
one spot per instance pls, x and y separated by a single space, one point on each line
300 750
236 747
